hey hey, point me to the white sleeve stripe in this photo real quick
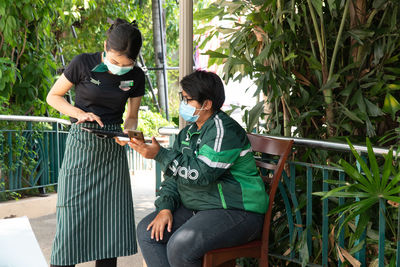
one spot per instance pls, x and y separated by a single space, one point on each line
244 152
220 133
213 164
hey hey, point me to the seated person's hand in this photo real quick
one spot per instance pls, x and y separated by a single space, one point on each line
164 217
147 151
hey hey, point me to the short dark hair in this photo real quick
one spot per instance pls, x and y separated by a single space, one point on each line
203 85
125 38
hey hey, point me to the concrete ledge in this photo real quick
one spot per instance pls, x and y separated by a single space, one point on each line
31 207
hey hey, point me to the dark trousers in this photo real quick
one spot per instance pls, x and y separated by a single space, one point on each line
99 263
193 234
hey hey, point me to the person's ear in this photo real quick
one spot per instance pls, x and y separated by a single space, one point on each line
208 104
105 45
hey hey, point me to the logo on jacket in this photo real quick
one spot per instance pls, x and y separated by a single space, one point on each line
183 172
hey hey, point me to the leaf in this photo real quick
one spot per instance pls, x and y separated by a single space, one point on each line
362 206
215 54
254 115
390 105
393 86
318 6
379 4
372 161
292 55
363 165
350 114
360 101
373 110
353 261
331 84
394 181
387 168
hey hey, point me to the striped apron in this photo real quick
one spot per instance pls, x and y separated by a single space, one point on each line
95 217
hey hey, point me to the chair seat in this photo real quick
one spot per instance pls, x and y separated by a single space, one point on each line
218 256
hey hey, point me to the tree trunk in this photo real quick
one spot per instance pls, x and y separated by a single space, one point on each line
157 42
358 16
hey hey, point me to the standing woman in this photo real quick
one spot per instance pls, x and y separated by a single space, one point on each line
95 219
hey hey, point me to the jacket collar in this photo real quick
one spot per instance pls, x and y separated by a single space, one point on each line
193 127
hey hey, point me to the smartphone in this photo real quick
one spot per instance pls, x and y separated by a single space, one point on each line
136 134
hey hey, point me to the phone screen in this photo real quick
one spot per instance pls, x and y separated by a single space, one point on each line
136 134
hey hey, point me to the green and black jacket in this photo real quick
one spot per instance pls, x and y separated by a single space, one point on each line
211 168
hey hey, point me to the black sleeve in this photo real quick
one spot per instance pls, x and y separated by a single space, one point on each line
138 87
73 72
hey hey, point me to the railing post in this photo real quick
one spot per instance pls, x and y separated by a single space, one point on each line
10 161
398 238
360 255
57 152
2 163
382 227
309 210
341 202
325 225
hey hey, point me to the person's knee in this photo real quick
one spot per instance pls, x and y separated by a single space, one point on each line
181 249
141 230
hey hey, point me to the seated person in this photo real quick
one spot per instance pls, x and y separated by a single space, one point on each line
212 196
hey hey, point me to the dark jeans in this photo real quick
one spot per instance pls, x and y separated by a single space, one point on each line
99 263
193 234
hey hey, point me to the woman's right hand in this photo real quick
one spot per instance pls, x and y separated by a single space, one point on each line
164 217
88 116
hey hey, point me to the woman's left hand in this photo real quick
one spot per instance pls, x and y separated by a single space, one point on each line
147 151
119 142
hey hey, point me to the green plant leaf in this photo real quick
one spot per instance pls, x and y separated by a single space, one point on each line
318 6
387 169
373 110
373 163
351 115
354 174
363 165
362 206
254 115
215 54
394 181
391 105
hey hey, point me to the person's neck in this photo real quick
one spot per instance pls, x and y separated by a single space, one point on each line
201 120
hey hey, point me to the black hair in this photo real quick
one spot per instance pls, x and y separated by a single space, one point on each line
125 38
203 85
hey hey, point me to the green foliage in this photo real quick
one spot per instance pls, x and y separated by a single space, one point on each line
35 34
322 75
375 182
149 122
372 184
8 195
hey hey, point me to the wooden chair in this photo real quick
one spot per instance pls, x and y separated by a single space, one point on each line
258 248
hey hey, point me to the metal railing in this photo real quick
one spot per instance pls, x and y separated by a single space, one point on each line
306 218
32 149
31 154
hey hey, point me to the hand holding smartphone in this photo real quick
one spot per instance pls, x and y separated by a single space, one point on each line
136 134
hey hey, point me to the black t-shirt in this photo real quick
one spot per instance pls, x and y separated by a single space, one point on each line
100 92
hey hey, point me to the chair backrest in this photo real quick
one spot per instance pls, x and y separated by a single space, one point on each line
274 147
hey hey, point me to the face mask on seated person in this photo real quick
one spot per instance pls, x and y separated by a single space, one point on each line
115 69
187 112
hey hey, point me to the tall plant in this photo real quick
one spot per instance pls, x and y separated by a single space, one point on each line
327 68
